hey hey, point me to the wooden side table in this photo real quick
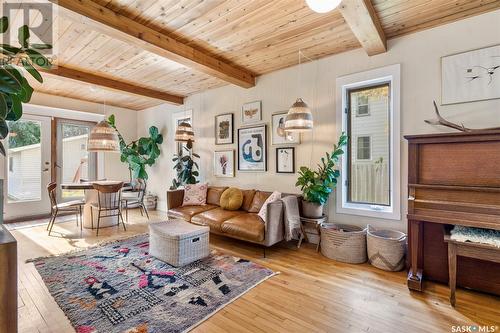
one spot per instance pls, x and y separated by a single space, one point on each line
466 249
313 227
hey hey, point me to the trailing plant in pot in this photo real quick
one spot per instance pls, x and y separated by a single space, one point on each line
316 186
14 88
139 153
185 167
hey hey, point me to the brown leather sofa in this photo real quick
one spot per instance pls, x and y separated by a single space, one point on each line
243 224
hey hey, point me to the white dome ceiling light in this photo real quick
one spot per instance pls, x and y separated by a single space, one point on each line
323 6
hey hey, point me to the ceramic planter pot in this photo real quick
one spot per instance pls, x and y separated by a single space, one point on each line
312 210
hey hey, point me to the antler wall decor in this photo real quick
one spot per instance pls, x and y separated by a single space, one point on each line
443 122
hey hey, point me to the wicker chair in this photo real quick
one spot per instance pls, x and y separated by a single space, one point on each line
137 198
108 203
74 206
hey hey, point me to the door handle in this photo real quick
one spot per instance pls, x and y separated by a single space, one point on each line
45 170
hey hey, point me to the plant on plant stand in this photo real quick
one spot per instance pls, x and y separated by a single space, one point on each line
14 88
316 186
185 167
139 153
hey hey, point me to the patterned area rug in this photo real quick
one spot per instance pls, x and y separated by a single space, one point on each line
119 287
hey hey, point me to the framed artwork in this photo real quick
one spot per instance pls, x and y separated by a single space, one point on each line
278 136
224 129
285 160
471 76
251 112
252 148
179 117
224 163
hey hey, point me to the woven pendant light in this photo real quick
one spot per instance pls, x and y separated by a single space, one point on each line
103 138
299 117
184 132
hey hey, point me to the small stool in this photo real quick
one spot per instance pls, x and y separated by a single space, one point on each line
466 249
177 242
314 224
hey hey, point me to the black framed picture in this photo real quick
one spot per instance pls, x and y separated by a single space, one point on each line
224 133
285 160
252 148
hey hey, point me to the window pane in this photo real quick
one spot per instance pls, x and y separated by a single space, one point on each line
369 147
75 158
25 161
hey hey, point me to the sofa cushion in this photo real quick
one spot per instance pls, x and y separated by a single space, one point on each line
231 199
195 194
214 217
247 199
187 212
214 193
258 200
246 226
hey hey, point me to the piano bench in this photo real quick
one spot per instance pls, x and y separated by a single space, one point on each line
466 249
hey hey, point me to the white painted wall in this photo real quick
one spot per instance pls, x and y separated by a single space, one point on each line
419 55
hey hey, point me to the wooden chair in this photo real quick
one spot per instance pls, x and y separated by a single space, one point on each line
137 198
108 203
69 206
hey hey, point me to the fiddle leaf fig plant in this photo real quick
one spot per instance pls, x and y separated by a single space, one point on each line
14 88
316 186
185 167
139 153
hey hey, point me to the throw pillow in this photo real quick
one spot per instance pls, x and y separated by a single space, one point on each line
231 199
263 210
195 194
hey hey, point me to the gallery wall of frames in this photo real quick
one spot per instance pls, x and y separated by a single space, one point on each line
255 139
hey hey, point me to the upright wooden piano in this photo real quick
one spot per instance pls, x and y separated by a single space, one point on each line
453 179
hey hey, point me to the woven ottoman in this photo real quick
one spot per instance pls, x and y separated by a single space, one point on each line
177 242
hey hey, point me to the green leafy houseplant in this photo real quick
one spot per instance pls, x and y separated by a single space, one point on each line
185 167
139 153
14 88
316 186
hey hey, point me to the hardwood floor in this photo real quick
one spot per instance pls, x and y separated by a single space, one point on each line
312 293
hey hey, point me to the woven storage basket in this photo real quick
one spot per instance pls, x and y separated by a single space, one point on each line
341 242
386 249
178 242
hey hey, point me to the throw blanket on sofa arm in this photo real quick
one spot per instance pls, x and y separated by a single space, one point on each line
293 228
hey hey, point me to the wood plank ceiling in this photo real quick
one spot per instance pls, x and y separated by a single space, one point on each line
259 36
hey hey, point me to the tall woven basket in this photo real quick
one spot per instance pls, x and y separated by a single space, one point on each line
386 249
342 242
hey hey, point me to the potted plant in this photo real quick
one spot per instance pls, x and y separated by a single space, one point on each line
185 167
316 186
14 88
139 153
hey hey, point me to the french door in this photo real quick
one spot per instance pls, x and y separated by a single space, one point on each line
74 163
28 167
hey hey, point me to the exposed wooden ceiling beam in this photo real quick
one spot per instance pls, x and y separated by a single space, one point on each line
130 31
364 23
113 84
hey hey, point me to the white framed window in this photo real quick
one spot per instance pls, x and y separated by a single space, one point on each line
364 148
370 176
363 106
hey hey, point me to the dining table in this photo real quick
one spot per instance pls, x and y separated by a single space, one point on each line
91 198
